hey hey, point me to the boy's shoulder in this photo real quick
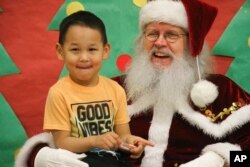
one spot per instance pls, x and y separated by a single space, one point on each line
62 82
110 82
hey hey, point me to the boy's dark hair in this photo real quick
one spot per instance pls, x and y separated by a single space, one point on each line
84 18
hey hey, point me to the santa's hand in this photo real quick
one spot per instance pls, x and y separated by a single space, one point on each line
47 157
208 159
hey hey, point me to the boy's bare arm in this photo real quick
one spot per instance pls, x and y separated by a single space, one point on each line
107 141
65 141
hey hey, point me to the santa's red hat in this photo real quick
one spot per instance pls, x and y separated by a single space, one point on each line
194 16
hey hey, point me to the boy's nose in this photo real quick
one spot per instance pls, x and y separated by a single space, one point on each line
84 57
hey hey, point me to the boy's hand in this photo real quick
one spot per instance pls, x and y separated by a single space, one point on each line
136 145
108 141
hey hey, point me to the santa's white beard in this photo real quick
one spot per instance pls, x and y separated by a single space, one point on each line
147 85
163 89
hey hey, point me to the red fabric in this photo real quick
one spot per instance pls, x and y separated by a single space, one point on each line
32 156
202 13
228 92
185 140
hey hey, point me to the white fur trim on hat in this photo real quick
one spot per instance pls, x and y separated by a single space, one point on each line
203 93
167 11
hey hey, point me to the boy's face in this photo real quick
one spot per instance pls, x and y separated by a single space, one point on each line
83 52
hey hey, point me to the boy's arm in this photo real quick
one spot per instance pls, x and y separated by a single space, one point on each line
63 140
123 131
109 141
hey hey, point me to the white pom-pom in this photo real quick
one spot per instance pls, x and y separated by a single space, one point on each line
203 93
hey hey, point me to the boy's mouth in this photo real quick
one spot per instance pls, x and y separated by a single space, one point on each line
84 66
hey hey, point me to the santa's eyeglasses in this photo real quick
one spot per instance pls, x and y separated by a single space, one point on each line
170 36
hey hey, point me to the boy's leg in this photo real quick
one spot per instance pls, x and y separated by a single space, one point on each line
95 160
105 160
123 163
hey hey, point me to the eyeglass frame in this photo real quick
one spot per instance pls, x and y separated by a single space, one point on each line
170 36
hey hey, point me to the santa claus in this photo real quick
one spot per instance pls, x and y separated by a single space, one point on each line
194 118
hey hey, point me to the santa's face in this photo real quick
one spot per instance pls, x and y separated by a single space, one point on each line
161 41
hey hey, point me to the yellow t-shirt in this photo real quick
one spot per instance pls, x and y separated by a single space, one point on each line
85 111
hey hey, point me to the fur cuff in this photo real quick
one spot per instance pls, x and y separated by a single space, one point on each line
29 145
222 149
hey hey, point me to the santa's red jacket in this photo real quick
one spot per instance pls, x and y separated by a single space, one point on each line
191 132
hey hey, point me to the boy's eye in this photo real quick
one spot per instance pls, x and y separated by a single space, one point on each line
75 49
93 49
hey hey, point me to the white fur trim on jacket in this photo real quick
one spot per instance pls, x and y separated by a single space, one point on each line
158 134
141 105
22 157
223 149
172 12
236 120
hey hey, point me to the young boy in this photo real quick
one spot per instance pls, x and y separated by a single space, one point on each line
86 112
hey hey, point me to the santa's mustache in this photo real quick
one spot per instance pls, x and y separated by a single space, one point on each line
161 52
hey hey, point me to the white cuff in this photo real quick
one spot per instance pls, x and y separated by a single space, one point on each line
208 159
22 157
223 149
